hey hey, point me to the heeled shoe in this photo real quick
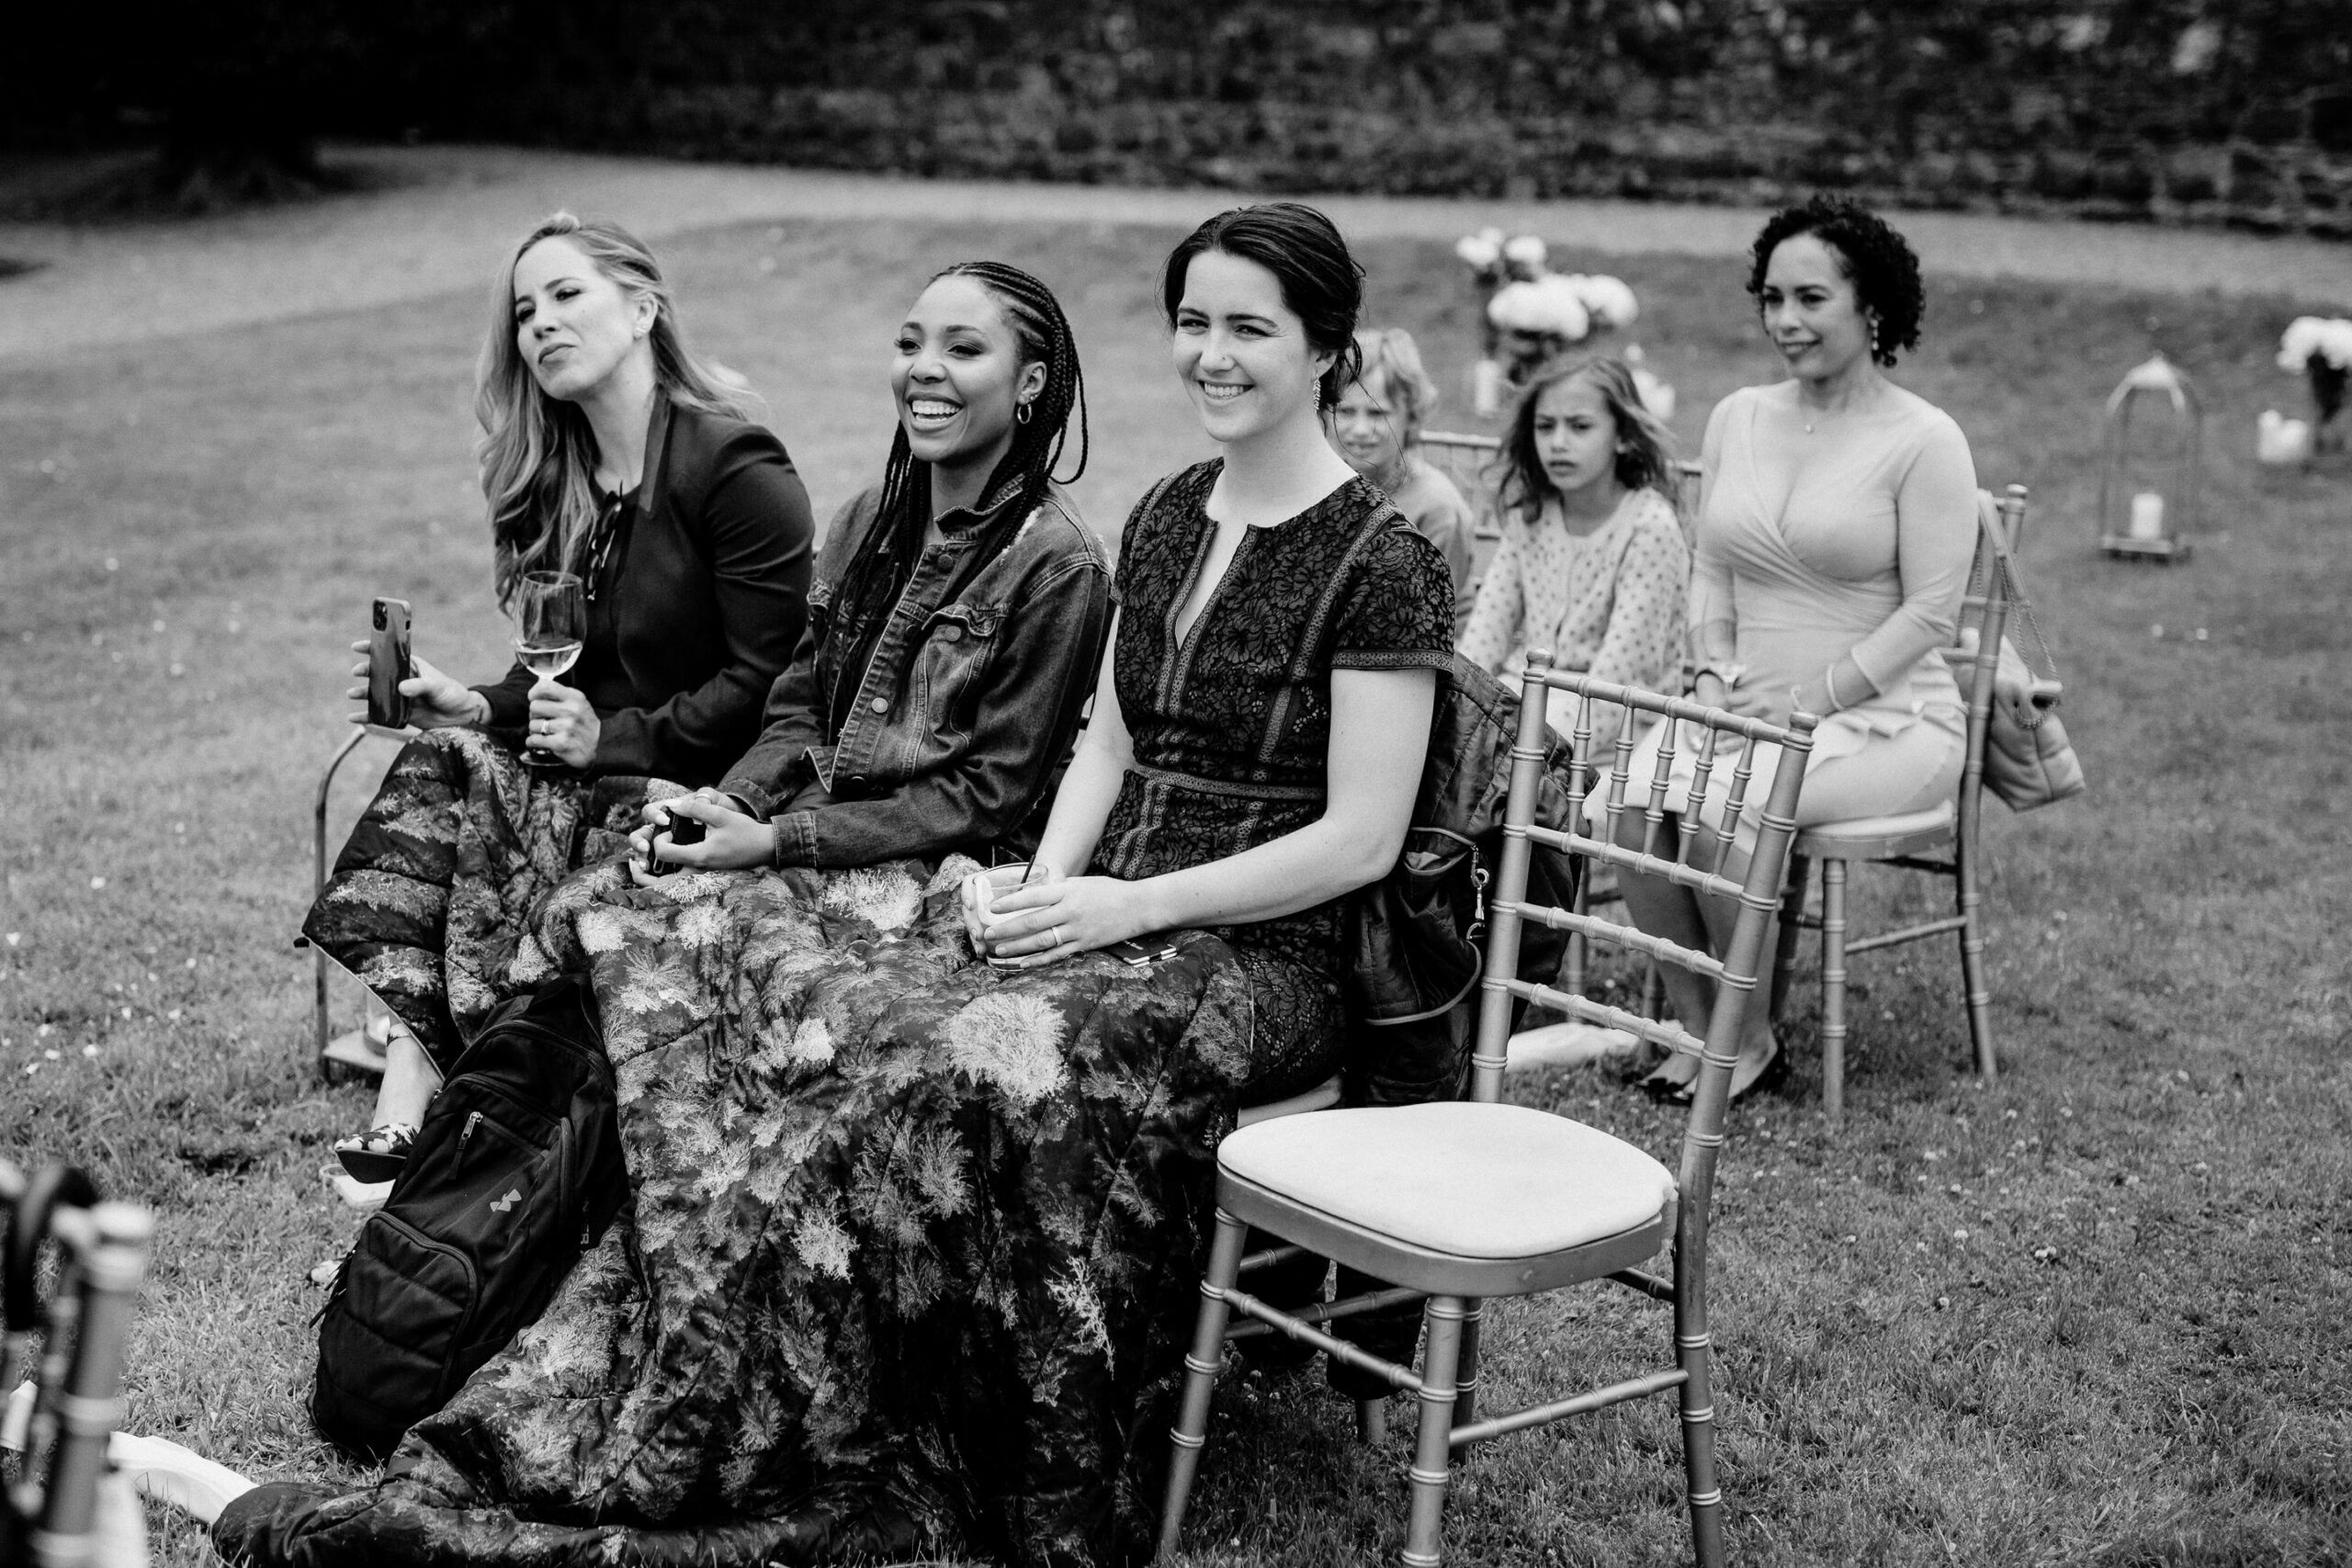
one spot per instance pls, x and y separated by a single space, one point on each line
379 1153
1769 1077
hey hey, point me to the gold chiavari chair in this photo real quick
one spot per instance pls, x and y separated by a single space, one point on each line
1453 1202
53 1517
1945 841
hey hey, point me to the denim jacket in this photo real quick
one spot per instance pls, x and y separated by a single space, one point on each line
962 715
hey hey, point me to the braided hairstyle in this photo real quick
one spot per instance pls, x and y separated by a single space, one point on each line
886 557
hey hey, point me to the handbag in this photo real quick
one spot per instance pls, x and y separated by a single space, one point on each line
1417 937
2029 761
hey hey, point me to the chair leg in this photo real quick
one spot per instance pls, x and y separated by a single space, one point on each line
1784 954
1706 1496
1427 1475
1465 1363
1971 962
1833 988
1190 1432
1372 1421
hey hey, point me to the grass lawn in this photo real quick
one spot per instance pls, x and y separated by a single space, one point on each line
2093 1315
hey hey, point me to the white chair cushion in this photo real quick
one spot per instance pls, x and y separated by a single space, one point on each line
1488 1181
1941 815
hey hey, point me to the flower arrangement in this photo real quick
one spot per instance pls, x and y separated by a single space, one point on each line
1533 314
2322 350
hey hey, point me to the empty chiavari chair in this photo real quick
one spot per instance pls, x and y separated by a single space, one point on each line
1945 841
54 1516
1457 1202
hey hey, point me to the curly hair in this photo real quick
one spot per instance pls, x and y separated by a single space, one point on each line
1878 262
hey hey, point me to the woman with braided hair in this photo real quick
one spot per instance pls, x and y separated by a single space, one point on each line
957 616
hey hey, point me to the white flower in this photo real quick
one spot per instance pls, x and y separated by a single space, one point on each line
1549 306
1609 300
1526 249
1011 1040
1482 250
2328 338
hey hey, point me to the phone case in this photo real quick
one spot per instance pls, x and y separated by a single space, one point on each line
388 663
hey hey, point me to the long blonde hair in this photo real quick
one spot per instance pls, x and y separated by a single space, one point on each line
537 454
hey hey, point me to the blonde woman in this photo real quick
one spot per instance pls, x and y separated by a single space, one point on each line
1378 422
611 452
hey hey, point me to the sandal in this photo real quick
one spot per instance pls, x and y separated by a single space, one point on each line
378 1153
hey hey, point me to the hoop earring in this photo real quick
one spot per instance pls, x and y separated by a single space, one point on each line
1021 412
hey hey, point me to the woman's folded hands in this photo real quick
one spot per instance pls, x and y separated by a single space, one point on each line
732 838
1025 916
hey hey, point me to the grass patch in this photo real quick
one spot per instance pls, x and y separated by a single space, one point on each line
2126 1359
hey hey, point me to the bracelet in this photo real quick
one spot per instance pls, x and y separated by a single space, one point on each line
1724 671
1829 684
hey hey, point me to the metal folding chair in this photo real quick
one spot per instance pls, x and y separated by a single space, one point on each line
50 1518
1944 840
329 1067
1453 1202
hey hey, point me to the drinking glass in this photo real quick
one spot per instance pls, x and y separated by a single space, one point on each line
551 622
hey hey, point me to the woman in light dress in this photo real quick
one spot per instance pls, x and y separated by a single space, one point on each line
1836 524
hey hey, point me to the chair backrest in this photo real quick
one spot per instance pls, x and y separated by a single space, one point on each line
1695 859
1976 655
50 1518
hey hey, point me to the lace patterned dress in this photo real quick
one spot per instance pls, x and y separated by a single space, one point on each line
908 1262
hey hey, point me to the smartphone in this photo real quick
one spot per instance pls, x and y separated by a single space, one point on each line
1141 950
388 663
682 830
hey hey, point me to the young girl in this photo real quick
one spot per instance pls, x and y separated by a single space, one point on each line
1378 423
1592 564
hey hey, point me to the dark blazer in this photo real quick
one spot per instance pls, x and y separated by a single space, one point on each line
698 608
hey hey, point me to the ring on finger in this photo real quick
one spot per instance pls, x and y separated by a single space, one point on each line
1057 934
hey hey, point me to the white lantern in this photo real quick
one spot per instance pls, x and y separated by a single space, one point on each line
2150 468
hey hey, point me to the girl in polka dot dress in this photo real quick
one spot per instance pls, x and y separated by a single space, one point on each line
1593 564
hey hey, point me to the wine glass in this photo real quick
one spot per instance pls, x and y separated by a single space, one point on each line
551 622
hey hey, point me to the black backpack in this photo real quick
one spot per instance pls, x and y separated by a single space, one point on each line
517 1171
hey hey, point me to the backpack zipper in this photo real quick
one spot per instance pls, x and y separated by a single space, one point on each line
473 1119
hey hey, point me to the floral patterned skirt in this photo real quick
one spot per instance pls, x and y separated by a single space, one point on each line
909 1263
447 868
